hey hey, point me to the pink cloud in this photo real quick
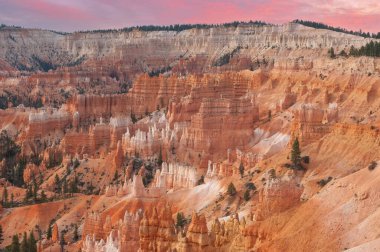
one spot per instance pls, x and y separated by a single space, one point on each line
72 15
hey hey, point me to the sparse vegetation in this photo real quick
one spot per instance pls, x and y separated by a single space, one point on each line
250 186
318 25
133 118
157 72
372 165
247 195
231 190
324 182
1 234
201 180
159 159
225 59
371 49
331 53
181 220
76 234
241 169
8 151
62 241
305 159
179 27
49 231
295 157
55 159
15 246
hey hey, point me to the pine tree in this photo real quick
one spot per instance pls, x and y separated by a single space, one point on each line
29 192
15 246
24 243
32 244
49 232
35 190
43 196
1 234
133 117
5 196
160 161
74 185
181 221
57 184
201 180
241 169
296 154
247 195
41 179
12 199
331 53
116 176
62 241
231 189
75 235
353 51
65 188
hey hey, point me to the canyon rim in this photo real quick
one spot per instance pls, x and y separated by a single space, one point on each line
238 136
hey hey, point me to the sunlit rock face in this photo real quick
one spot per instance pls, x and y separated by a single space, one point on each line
182 141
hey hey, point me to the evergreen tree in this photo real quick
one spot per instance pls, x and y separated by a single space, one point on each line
24 243
353 51
133 117
5 196
76 163
43 196
241 169
331 53
15 246
343 53
65 188
57 184
62 242
75 235
49 232
269 115
19 171
116 176
181 221
250 186
8 151
12 200
41 179
35 189
231 189
296 154
29 192
247 195
201 180
32 244
371 49
74 185
160 161
1 234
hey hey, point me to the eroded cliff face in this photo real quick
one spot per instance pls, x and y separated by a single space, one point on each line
164 47
138 128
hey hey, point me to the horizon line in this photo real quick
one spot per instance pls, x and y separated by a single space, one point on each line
3 25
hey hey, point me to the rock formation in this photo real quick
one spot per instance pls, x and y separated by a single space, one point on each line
126 130
55 233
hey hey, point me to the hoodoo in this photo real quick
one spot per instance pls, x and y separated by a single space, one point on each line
242 136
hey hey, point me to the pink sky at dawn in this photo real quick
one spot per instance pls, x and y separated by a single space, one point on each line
71 15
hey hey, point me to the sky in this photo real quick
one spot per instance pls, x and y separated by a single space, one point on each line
74 15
